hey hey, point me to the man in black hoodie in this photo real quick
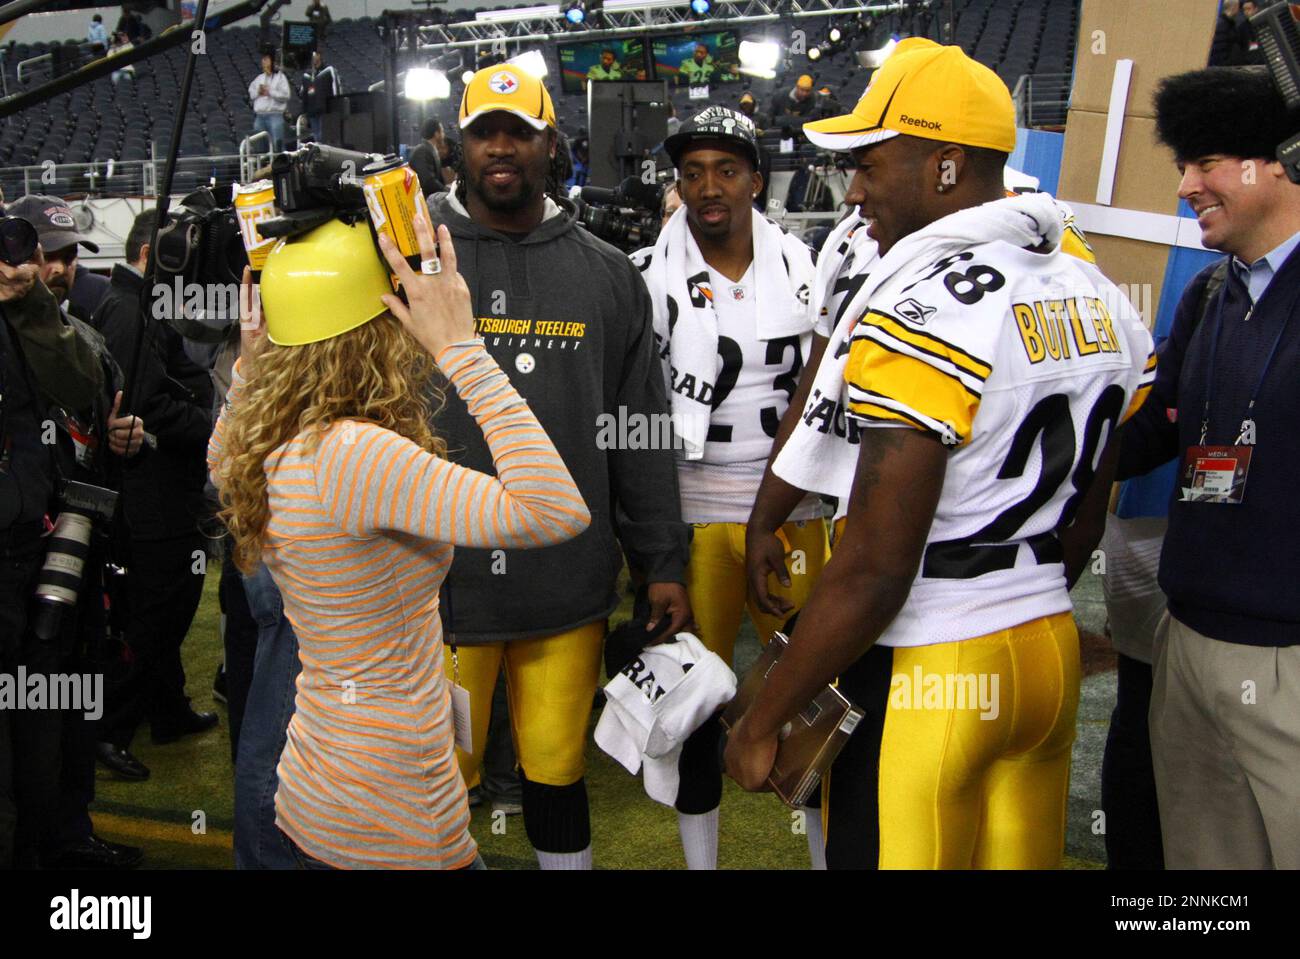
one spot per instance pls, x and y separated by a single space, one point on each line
569 319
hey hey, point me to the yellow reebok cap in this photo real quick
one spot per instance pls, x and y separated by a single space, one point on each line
926 90
506 87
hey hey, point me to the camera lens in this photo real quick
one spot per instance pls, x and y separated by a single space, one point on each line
17 240
65 559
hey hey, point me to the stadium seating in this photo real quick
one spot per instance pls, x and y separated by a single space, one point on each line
132 120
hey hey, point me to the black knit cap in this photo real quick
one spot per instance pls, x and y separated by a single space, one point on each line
714 123
1235 111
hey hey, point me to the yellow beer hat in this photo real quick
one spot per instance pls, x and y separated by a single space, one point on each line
926 90
323 283
506 87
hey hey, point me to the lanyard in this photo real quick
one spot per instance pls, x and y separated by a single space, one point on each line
450 637
1214 349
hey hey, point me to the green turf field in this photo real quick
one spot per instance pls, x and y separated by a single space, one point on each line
182 816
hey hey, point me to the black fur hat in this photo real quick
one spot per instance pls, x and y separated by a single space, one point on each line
1235 111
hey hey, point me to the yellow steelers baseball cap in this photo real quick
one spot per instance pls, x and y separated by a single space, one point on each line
805 82
506 87
926 90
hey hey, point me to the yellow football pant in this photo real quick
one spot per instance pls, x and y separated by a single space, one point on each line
719 590
550 684
963 759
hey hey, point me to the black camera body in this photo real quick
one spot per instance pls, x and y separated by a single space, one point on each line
1279 38
627 216
200 244
315 184
18 240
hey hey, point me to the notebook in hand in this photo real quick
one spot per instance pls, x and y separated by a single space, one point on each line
811 741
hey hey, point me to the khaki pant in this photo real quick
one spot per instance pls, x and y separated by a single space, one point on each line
1225 741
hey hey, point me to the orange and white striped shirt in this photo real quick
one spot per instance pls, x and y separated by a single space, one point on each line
361 534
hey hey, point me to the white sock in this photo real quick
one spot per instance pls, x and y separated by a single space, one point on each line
564 860
699 833
816 843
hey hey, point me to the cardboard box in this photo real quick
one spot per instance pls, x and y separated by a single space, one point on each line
1135 266
1161 37
1145 177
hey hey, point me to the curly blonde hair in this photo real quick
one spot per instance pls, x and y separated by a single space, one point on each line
376 372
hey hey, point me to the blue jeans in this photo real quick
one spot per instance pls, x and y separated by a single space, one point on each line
270 706
272 123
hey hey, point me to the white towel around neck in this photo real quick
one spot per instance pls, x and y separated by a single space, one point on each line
686 326
823 462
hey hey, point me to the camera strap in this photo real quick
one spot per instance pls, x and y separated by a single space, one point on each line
461 712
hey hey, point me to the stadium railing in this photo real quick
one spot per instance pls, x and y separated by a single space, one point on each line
117 177
1042 99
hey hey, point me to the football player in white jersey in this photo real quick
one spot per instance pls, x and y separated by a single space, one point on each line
988 373
732 322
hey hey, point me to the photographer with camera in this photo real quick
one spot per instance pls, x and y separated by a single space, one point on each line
568 317
731 316
59 429
163 502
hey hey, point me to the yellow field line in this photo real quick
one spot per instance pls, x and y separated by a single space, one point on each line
151 830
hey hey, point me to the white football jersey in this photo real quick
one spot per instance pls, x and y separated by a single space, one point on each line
755 381
756 378
1025 364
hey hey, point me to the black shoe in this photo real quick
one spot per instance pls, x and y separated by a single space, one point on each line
121 762
219 685
185 724
95 853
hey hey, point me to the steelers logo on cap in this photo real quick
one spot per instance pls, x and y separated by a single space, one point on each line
503 82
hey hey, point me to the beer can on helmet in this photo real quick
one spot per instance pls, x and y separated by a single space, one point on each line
255 202
393 196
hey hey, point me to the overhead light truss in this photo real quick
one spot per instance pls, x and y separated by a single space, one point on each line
621 17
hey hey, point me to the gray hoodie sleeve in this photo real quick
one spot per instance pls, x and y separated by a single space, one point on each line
648 510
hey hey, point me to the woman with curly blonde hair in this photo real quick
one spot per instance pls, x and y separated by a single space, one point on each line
330 475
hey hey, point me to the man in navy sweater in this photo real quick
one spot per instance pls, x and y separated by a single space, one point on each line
1225 703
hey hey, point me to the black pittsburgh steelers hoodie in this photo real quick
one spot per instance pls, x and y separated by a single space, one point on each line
568 318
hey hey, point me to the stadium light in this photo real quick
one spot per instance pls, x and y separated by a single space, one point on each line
466 77
874 58
815 54
425 84
532 63
759 55
836 35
